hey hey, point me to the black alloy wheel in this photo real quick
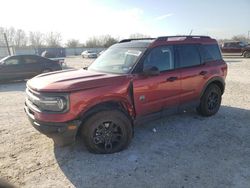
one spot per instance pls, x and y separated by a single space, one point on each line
107 131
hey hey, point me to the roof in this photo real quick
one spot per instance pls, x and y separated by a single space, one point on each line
166 40
130 43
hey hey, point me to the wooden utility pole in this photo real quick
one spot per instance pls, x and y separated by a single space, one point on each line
7 44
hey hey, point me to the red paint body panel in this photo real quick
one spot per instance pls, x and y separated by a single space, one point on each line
147 95
158 92
82 94
193 82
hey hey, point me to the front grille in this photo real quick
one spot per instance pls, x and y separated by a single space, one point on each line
32 100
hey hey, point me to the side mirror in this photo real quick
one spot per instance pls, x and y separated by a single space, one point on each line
151 71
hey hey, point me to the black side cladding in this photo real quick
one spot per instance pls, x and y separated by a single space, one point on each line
131 94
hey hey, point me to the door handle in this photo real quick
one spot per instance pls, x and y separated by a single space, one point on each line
171 79
203 73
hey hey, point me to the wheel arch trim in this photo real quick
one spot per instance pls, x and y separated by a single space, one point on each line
216 80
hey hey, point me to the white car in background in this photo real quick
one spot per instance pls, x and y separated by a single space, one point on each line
89 54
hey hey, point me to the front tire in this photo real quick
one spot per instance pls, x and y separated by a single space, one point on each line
210 101
107 132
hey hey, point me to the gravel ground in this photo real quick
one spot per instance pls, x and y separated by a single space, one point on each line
185 151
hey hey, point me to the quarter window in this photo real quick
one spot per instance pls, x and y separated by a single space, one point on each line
188 55
210 52
161 57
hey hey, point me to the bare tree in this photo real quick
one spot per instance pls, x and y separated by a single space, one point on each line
93 42
138 35
73 43
2 42
106 41
36 39
10 33
242 38
101 41
53 39
15 37
20 38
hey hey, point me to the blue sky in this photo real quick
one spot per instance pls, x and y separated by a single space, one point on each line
82 19
221 18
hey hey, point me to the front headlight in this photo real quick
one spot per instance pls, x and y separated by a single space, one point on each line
53 104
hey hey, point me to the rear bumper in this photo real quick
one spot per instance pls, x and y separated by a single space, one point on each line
62 133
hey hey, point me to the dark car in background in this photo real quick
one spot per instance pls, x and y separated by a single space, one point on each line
236 48
26 66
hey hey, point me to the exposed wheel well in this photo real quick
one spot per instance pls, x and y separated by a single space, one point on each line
110 105
219 84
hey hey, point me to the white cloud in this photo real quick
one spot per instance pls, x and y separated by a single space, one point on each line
162 17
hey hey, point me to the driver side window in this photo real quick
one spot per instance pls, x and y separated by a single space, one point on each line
161 57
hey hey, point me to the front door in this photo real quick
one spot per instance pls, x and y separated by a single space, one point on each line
12 68
154 93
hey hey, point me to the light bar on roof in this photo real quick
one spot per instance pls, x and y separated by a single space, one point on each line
176 38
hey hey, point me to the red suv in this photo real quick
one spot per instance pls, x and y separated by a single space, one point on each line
236 48
134 80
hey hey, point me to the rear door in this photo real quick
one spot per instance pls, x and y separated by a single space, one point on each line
154 93
192 72
34 65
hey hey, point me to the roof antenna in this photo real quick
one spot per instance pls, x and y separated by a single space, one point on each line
191 32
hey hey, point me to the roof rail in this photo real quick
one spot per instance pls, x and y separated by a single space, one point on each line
129 40
187 36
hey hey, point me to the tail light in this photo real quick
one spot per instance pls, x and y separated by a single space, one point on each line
224 69
60 61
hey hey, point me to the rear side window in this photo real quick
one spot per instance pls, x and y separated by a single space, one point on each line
43 60
210 52
30 60
188 55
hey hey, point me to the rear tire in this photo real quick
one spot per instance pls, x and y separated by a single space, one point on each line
247 54
107 132
210 101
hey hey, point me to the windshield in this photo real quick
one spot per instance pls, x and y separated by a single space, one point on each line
243 44
117 60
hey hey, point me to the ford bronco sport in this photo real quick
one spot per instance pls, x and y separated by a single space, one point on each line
133 80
